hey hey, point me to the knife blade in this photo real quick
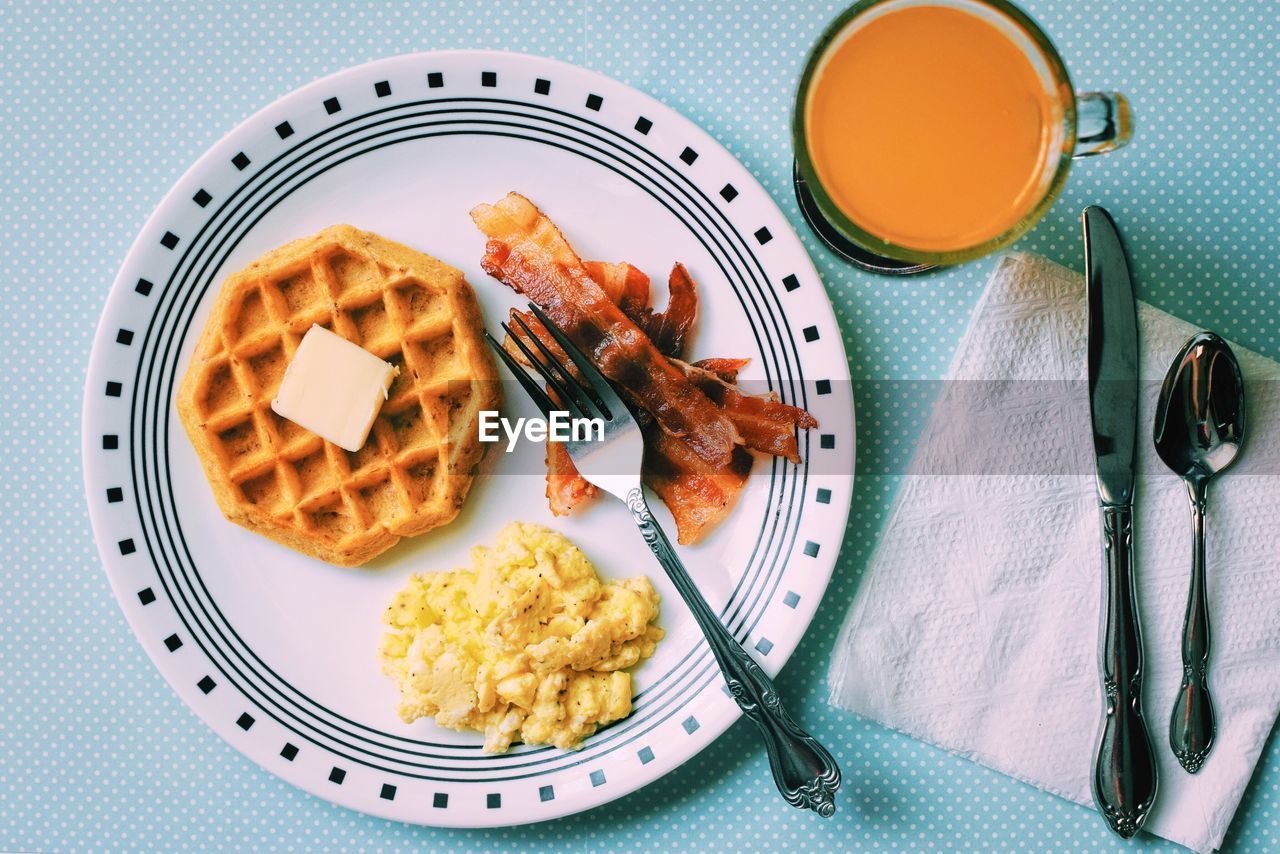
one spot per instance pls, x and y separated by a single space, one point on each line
1124 779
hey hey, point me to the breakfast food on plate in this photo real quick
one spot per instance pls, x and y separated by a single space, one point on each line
527 252
334 388
698 425
279 479
527 645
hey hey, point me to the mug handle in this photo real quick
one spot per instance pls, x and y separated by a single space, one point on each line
1104 123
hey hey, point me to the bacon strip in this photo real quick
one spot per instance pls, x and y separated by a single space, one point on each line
699 496
669 330
629 288
567 490
764 423
725 369
528 253
624 284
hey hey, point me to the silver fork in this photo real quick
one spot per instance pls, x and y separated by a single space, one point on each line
804 771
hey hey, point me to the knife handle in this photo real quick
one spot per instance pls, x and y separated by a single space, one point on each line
1124 777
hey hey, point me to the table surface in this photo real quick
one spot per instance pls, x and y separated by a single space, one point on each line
104 106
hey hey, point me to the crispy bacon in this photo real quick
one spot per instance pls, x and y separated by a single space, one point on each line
764 423
629 288
528 253
699 495
566 489
669 330
725 369
622 283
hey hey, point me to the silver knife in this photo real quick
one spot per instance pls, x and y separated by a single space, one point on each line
1124 777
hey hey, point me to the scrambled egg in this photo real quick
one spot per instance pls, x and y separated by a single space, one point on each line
529 645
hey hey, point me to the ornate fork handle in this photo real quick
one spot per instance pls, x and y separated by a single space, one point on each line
804 771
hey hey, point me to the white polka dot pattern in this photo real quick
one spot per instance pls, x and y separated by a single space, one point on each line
106 105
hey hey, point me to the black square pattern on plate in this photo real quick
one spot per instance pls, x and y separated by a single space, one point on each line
146 596
811 548
440 800
125 337
764 646
489 78
115 495
240 161
114 388
169 240
822 386
331 105
728 192
811 333
542 87
202 198
206 685
643 125
143 287
110 443
245 721
382 88
790 283
173 643
594 102
827 441
646 755
824 495
493 801
688 155
337 775
546 793
388 792
127 547
690 724
597 778
763 236
289 752
284 130
791 599
435 80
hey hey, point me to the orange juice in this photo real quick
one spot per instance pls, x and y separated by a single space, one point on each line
930 128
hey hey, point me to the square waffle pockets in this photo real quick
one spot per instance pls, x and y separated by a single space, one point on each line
280 480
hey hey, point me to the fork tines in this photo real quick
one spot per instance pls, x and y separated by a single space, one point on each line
592 399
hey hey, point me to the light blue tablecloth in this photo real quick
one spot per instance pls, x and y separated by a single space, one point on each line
103 107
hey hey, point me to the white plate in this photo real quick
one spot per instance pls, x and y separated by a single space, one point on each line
276 652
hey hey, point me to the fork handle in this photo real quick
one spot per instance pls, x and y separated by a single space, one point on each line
803 770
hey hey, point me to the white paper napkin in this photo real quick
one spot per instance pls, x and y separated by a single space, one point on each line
976 625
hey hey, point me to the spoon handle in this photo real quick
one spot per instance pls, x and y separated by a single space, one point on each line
1192 725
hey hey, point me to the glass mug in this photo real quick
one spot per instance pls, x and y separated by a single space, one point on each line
931 132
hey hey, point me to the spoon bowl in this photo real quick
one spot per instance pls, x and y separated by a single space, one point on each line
1200 417
1199 429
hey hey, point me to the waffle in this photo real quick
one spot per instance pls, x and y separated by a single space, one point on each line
272 476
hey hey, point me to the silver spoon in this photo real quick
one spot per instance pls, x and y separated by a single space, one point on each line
1198 431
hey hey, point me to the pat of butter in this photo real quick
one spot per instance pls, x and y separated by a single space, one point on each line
334 388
